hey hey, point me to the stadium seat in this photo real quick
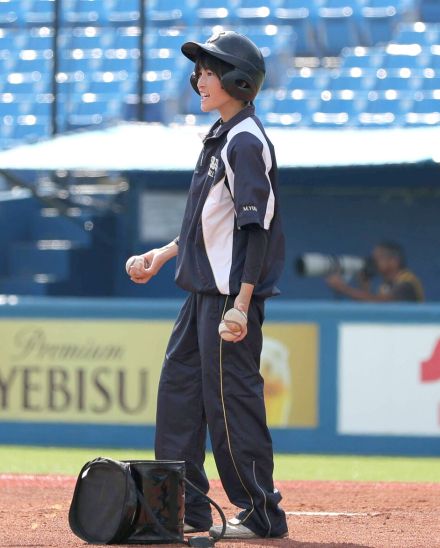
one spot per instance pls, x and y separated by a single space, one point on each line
41 12
287 111
264 102
301 16
11 12
430 84
354 5
168 37
362 61
171 12
416 33
344 81
87 110
305 82
38 39
214 12
424 111
379 24
335 111
402 87
384 112
397 83
434 59
123 11
408 58
82 11
430 11
254 11
336 30
276 45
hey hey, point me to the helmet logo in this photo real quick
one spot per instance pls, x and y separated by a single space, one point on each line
215 37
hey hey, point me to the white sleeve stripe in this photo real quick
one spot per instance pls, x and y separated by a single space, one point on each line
248 125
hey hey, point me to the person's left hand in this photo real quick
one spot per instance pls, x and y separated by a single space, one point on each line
241 304
336 282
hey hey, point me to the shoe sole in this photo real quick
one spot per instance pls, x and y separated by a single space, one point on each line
244 537
195 530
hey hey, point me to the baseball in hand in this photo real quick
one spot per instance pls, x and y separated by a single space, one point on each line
232 324
235 320
130 262
226 334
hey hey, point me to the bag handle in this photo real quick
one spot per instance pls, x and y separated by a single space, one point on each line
202 542
198 542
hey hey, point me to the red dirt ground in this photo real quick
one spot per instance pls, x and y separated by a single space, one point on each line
33 512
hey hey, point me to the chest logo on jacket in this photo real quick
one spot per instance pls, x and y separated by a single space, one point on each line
213 166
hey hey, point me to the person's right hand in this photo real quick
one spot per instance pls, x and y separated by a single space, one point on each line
146 266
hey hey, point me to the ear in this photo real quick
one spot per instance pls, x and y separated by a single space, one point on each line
193 80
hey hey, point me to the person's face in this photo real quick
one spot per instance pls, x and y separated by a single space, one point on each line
385 263
212 95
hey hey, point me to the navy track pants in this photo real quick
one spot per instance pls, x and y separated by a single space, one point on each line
209 383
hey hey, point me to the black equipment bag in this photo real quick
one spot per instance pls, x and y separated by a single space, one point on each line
129 502
133 502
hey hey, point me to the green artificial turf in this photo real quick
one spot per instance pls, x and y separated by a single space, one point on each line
58 460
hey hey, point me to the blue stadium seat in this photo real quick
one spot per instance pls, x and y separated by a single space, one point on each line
430 11
345 82
276 45
86 38
123 11
11 12
21 87
301 16
168 37
306 83
425 111
384 112
264 101
87 110
379 24
431 83
337 29
355 5
434 60
254 11
362 59
287 111
214 12
397 83
171 12
108 88
111 63
335 112
38 39
83 11
416 33
41 12
31 128
394 61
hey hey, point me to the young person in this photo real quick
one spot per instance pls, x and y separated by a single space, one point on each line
230 253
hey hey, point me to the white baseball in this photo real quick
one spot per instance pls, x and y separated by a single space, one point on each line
130 262
235 320
226 334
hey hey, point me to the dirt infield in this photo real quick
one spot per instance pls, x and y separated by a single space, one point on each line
33 512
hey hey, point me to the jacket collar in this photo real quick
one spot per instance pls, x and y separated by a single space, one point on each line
220 127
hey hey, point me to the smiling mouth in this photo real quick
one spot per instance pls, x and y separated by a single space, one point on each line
204 95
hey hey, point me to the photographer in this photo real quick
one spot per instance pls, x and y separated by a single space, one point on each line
399 284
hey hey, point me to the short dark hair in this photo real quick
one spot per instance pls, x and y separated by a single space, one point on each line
395 250
208 62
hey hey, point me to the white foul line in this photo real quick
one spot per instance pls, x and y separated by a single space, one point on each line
335 514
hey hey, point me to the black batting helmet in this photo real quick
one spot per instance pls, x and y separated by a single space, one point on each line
246 76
